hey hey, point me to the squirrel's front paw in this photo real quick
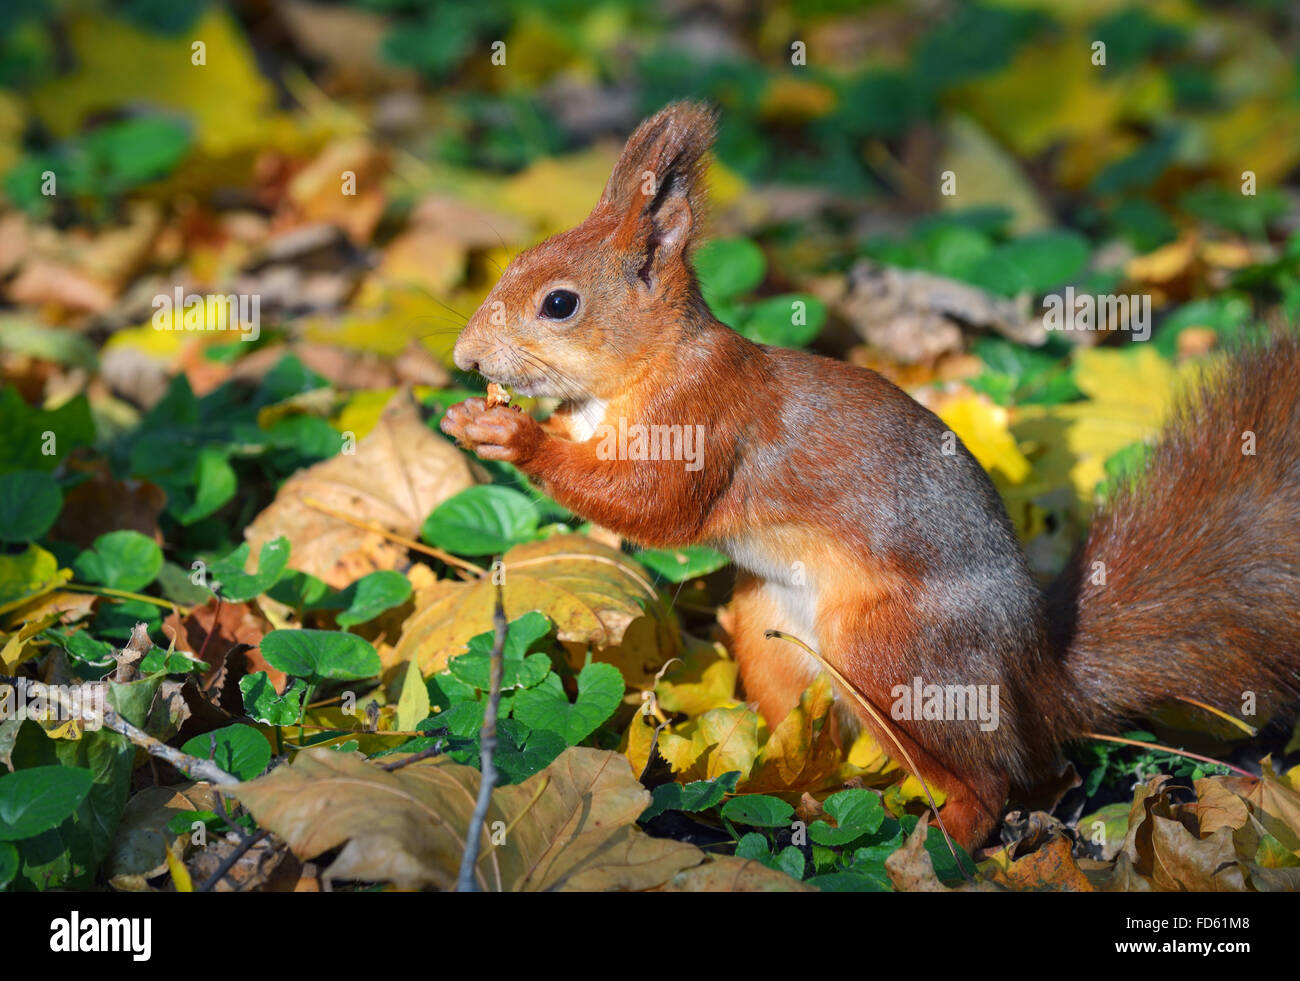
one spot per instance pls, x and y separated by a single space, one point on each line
499 433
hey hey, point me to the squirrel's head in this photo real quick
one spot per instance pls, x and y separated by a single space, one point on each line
574 316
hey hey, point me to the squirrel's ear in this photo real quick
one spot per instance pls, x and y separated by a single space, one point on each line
655 191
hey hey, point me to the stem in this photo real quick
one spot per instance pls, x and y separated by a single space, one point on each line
488 744
392 536
76 587
1166 749
208 636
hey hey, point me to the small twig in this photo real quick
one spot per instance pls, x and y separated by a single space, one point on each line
392 536
228 863
487 746
191 766
1166 749
213 629
424 754
872 711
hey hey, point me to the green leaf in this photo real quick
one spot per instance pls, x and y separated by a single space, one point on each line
303 590
856 812
523 751
789 860
30 501
698 795
240 750
170 662
793 320
68 855
754 846
38 439
238 586
320 655
263 704
521 667
214 484
600 690
8 863
1034 264
40 798
679 564
758 811
852 882
482 520
371 595
124 560
727 267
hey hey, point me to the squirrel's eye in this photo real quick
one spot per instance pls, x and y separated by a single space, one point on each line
559 305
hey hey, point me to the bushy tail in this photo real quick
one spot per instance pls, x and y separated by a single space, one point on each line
1189 581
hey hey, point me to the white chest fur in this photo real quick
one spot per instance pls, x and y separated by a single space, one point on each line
584 418
791 586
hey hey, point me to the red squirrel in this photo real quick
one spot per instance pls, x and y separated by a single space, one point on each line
860 527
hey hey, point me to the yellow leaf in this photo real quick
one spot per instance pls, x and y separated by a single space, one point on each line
28 574
729 737
559 192
595 595
705 679
983 427
117 64
180 874
800 754
15 651
413 704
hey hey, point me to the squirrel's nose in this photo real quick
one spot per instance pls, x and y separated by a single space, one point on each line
462 360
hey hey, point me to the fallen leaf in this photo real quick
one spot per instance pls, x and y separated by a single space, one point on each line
572 826
594 594
397 476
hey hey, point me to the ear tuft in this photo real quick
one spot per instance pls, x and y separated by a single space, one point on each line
664 160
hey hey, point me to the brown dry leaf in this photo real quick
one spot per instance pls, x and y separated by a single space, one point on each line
103 504
1185 863
727 873
1217 806
800 754
139 848
254 871
231 625
43 282
399 473
319 193
1137 841
911 870
572 826
1049 868
595 594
